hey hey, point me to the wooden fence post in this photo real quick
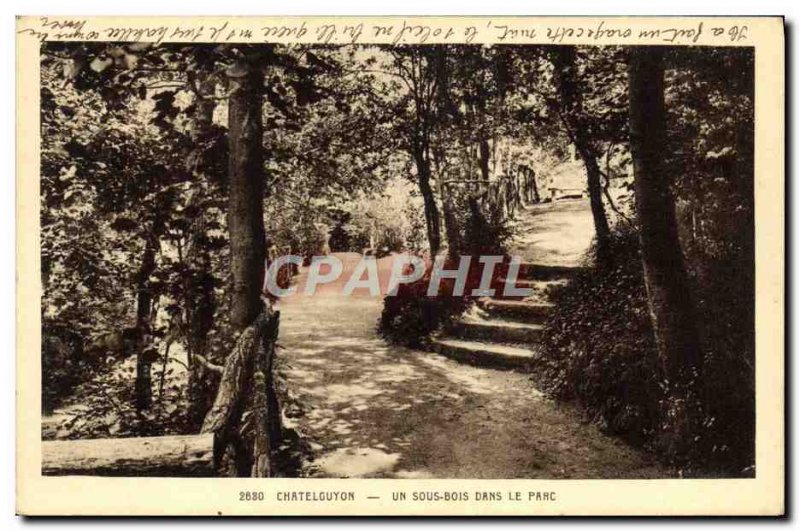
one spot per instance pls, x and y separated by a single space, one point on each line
245 417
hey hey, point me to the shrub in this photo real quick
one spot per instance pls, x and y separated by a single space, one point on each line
726 304
598 345
409 317
66 362
598 349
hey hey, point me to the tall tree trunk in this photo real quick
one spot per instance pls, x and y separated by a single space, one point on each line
143 390
668 292
248 253
534 187
432 221
199 293
451 227
485 155
245 417
484 151
571 114
601 229
246 192
200 319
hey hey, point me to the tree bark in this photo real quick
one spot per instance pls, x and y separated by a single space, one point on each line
601 228
246 192
668 291
432 221
172 456
246 413
484 151
483 162
143 389
534 187
571 114
200 301
200 320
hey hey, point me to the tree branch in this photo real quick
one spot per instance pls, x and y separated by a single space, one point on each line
208 365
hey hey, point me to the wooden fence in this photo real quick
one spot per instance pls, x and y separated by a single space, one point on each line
501 197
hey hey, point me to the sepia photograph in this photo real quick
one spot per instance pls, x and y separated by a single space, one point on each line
413 260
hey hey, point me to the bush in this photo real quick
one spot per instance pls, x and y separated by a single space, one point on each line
410 316
598 345
598 348
66 362
106 407
726 304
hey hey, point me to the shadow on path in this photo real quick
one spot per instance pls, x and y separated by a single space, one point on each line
378 410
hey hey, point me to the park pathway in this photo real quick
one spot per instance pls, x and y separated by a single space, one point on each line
371 409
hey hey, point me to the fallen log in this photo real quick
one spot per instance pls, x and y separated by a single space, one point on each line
243 424
170 456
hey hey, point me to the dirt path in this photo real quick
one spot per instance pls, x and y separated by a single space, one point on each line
376 410
557 233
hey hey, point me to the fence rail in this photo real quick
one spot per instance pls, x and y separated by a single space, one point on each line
501 197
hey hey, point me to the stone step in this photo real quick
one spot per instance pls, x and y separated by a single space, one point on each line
499 331
532 271
485 354
531 312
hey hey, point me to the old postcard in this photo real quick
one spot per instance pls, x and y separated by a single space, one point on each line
400 266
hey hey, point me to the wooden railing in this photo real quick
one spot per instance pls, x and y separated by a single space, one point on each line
501 197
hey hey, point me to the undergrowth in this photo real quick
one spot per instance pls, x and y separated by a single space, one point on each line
598 349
